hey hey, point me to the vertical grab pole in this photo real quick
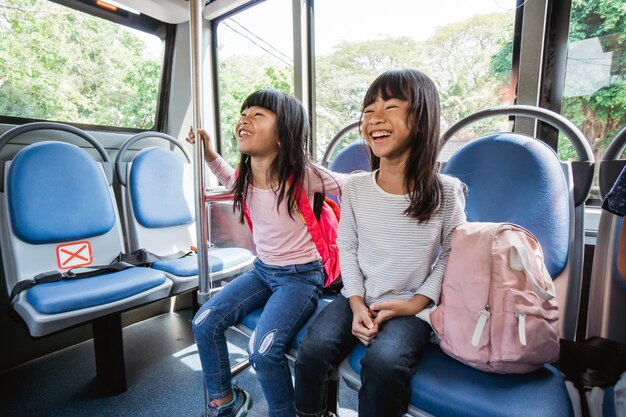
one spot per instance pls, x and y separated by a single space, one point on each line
203 231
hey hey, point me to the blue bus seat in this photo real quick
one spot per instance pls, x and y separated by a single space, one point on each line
58 212
158 206
445 387
510 178
352 158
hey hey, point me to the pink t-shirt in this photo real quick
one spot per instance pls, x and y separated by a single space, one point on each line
279 239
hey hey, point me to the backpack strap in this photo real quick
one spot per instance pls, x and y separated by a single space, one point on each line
244 206
246 214
312 223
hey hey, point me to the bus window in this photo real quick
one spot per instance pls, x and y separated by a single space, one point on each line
594 95
253 53
465 47
60 64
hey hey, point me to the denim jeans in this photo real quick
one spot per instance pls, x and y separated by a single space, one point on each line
290 295
386 367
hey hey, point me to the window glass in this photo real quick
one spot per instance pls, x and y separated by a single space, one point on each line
464 46
63 65
254 52
594 95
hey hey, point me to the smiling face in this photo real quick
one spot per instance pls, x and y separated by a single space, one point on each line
256 132
385 129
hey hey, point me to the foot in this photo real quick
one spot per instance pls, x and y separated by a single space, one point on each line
238 407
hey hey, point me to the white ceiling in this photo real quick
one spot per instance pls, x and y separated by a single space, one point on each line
170 11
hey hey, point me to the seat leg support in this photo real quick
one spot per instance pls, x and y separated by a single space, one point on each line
109 349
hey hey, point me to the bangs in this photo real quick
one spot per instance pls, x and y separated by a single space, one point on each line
268 99
391 84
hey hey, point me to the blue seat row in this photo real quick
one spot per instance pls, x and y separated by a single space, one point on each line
58 212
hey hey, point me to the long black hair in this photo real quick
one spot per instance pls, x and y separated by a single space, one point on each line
289 167
422 118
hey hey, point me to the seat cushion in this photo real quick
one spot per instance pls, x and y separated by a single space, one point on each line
251 320
68 295
445 387
221 259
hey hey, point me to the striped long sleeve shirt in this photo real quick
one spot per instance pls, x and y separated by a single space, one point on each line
385 254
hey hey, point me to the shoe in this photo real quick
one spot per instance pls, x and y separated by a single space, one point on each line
238 407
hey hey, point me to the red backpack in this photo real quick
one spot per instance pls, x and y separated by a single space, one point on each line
323 232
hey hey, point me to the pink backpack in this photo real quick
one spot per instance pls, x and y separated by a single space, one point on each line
497 310
324 234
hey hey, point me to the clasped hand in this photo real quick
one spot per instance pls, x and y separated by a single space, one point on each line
367 321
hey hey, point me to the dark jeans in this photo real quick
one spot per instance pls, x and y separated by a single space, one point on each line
387 365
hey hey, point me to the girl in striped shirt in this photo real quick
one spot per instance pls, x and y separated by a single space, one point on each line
394 241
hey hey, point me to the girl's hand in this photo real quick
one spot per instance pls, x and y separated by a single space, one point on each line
209 152
386 310
363 327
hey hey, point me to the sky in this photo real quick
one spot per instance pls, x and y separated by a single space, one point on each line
349 20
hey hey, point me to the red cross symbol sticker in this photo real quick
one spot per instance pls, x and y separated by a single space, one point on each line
71 255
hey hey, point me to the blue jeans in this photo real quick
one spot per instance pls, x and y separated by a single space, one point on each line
386 367
290 295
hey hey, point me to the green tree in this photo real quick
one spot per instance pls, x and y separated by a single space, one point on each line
238 77
459 57
64 65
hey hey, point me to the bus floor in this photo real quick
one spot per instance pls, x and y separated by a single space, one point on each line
162 369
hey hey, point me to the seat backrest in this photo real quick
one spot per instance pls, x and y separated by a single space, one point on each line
158 203
354 157
606 313
57 211
518 179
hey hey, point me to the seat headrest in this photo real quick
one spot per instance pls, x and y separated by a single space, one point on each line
517 179
58 192
354 157
157 188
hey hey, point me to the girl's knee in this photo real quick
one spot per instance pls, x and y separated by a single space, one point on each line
310 350
382 363
265 350
203 321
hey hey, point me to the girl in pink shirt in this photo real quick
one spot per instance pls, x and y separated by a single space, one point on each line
272 136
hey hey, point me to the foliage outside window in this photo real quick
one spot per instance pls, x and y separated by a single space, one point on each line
594 96
63 65
468 57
